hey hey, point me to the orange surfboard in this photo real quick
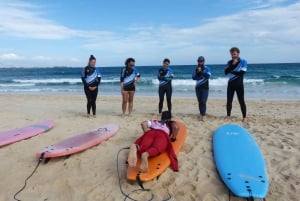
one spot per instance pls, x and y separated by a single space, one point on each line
157 165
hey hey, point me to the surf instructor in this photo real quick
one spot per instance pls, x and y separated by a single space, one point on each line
236 68
91 79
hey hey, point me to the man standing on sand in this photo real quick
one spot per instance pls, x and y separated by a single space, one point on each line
236 68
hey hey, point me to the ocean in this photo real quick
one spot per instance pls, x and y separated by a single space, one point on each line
263 81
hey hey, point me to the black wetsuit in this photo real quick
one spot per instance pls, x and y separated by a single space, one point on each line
202 87
91 78
165 76
236 84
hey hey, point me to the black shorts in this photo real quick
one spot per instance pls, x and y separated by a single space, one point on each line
130 87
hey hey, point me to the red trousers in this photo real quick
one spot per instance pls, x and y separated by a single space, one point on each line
155 142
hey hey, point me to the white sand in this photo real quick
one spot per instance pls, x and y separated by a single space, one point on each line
91 175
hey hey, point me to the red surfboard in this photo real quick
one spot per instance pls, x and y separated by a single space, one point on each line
16 135
79 142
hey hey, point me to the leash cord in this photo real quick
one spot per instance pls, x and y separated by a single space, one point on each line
127 196
25 183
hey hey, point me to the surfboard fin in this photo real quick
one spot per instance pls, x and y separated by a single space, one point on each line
250 198
140 183
46 160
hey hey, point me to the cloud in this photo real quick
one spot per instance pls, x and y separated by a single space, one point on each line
24 20
11 56
263 30
267 30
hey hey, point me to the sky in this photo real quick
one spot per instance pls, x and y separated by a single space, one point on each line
35 33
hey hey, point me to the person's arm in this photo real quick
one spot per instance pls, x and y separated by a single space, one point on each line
243 68
239 73
98 77
206 72
122 76
83 76
138 75
228 68
197 74
171 75
160 75
145 126
175 129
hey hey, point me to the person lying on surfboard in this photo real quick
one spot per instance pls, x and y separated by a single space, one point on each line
156 139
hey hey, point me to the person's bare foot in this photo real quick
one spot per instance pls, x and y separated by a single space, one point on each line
202 118
244 120
227 118
88 116
144 162
132 156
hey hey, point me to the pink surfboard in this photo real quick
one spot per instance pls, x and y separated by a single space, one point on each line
79 142
15 135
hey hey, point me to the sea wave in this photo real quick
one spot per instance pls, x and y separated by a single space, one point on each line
212 82
58 81
47 81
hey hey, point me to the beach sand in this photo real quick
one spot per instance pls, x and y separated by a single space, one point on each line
91 175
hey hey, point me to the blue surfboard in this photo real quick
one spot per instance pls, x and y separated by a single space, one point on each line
240 162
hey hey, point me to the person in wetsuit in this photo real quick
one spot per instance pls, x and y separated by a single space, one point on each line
128 79
156 139
91 79
165 76
236 69
202 74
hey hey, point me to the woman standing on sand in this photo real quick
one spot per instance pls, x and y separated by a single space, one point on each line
165 76
91 79
128 79
202 74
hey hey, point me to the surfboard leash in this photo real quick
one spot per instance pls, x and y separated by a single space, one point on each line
25 183
142 189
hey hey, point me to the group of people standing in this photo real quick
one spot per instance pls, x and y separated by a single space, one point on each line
236 68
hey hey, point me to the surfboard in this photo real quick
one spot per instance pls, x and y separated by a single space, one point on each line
79 142
18 134
240 162
157 165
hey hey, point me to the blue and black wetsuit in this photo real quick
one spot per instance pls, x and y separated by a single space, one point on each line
91 78
202 87
128 76
236 84
165 76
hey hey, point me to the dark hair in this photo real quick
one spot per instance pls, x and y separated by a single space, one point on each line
92 57
128 61
234 49
165 115
166 60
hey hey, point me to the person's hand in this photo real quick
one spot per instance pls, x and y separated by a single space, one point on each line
92 88
121 85
234 61
199 69
173 137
